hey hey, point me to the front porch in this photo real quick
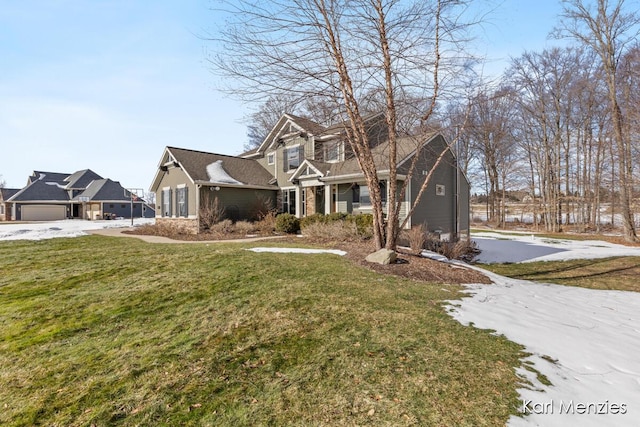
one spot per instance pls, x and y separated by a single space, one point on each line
351 197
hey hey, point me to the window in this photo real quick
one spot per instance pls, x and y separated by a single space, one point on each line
362 196
166 202
333 151
293 157
271 158
182 201
289 201
439 190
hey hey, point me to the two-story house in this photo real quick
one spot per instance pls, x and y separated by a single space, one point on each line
83 194
304 168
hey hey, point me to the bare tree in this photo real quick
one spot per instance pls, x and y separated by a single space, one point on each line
344 52
609 31
490 133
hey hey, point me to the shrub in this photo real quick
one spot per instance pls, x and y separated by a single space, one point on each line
364 225
244 227
260 207
287 223
456 250
312 219
333 231
267 224
336 216
223 227
165 229
210 211
417 237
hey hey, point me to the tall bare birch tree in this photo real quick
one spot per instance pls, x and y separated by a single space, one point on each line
609 31
345 50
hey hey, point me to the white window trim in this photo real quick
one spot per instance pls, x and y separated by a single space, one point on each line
340 147
273 158
162 211
177 215
300 161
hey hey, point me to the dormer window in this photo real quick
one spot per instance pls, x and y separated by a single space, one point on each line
271 158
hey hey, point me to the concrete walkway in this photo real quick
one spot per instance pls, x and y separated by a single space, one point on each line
118 232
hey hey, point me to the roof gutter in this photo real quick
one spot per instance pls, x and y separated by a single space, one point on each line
225 185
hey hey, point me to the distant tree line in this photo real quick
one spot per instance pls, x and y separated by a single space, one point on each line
564 123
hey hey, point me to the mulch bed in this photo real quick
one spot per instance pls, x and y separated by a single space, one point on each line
414 267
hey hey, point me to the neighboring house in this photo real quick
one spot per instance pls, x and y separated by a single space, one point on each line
5 206
82 194
305 168
187 180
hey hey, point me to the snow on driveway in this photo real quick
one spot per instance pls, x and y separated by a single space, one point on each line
586 342
63 228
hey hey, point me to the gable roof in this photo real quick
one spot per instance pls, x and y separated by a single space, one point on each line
319 167
307 124
81 179
303 125
339 128
217 169
406 147
104 190
7 193
41 190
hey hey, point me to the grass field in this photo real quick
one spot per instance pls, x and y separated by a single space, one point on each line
111 331
618 273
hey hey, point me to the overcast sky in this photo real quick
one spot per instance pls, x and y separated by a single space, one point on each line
107 84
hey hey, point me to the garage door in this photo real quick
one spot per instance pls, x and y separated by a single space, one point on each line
43 213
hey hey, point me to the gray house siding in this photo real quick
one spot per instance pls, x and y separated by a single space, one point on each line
239 203
123 210
438 205
345 198
281 175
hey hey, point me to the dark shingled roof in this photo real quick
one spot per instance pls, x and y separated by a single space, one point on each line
42 190
6 193
81 179
105 190
307 124
47 176
247 171
404 147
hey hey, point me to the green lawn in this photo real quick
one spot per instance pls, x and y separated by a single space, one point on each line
618 273
113 331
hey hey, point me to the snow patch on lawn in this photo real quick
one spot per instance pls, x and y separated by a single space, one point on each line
63 228
585 342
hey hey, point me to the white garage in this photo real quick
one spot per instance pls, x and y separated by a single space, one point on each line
43 212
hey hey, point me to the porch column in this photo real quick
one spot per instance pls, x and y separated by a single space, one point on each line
328 199
198 190
407 202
